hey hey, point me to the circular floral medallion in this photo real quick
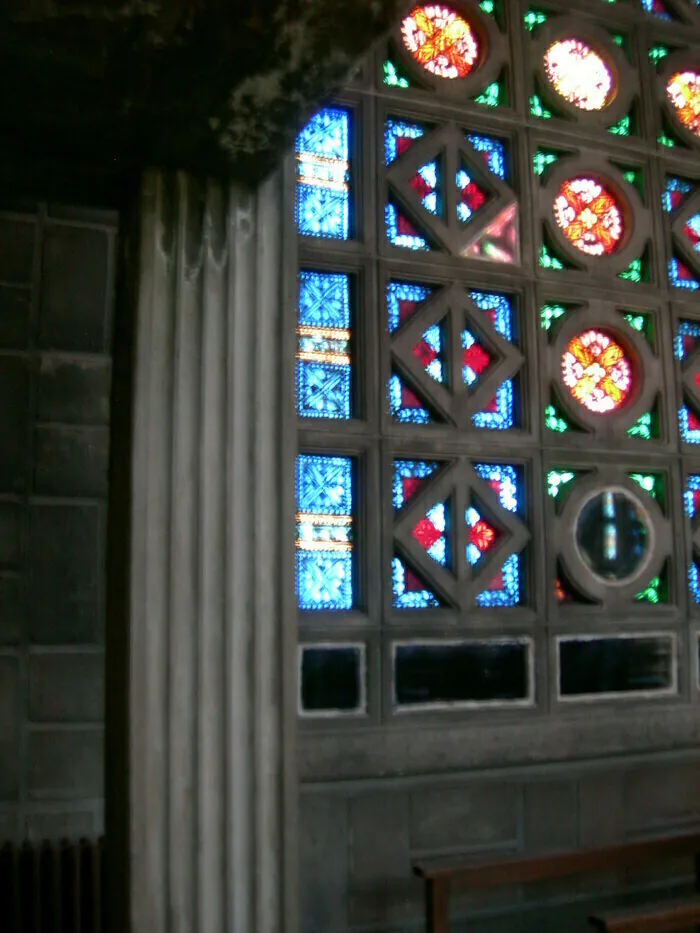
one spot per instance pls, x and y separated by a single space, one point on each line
579 74
683 91
612 535
589 216
440 40
596 371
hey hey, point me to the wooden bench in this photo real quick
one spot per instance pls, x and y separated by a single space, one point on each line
442 876
658 918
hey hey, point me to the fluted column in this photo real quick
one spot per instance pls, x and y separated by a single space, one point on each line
207 810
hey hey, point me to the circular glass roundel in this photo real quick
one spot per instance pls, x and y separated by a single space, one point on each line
589 215
612 535
596 371
440 40
579 74
683 91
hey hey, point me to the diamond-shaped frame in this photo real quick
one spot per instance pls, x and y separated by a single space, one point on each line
455 403
450 144
458 483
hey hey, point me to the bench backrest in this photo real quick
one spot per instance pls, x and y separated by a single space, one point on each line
518 870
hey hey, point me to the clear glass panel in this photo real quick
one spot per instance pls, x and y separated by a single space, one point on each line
612 535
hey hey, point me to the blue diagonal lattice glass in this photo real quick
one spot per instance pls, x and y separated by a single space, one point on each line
323 175
324 565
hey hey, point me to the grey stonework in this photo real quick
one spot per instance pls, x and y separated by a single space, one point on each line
56 305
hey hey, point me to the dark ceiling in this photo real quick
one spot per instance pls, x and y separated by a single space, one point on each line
91 90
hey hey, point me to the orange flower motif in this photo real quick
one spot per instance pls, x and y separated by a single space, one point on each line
596 371
440 40
589 216
684 93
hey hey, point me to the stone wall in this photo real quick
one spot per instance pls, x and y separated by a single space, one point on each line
358 840
56 304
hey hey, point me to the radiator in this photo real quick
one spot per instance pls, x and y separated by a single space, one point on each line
52 887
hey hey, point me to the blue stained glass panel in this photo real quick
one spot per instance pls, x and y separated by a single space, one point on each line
686 338
691 496
504 589
402 299
400 232
655 8
409 476
681 276
324 565
398 137
405 406
409 591
324 376
675 190
689 426
694 582
493 152
324 299
323 175
500 414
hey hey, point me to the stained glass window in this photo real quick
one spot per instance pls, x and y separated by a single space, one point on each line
324 571
499 414
656 8
597 371
504 588
323 175
589 216
579 74
440 40
683 91
323 345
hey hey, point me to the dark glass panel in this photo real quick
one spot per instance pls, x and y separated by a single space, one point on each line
615 665
331 679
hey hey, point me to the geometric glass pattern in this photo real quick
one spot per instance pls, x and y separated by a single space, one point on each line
681 276
430 350
324 578
499 413
683 91
589 216
408 589
689 425
323 374
579 74
655 8
596 371
403 299
691 501
687 338
399 136
323 176
405 405
675 190
440 40
470 195
504 588
493 152
431 533
692 231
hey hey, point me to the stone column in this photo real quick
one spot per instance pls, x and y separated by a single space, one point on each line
201 766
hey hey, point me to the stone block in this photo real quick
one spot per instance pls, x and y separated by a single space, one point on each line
12 609
60 824
550 816
65 764
601 809
71 461
74 391
14 423
74 289
9 827
662 798
323 868
473 816
66 687
10 536
9 763
9 692
382 887
14 317
66 568
16 250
